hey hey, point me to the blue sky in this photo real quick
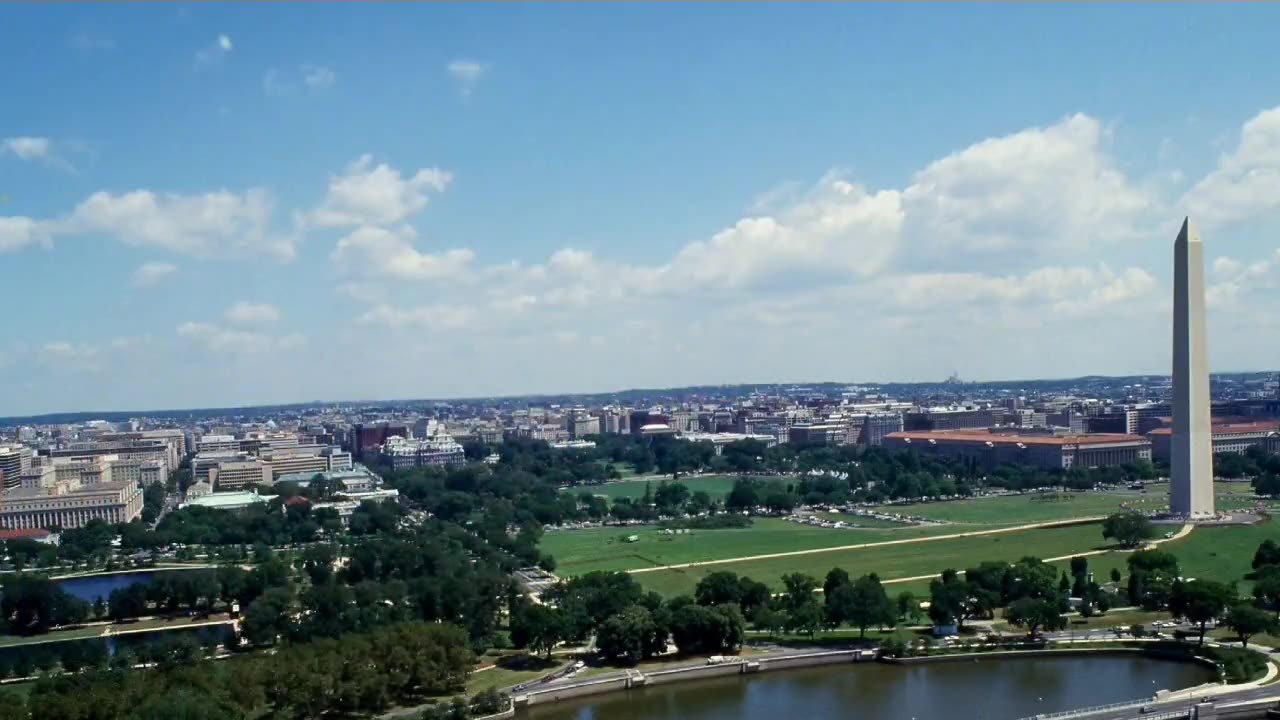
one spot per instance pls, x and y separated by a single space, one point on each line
229 204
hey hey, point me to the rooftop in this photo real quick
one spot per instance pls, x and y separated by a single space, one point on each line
230 499
1226 428
947 436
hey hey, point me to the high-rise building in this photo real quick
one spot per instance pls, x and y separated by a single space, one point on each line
1191 486
14 459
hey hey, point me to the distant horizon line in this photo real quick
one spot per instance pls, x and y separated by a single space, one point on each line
12 419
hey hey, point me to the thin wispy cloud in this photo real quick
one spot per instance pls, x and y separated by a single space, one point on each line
90 41
42 150
277 82
27 148
215 52
317 76
151 273
467 73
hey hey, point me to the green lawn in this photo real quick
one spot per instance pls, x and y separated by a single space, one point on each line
581 551
1020 509
1214 553
717 486
894 561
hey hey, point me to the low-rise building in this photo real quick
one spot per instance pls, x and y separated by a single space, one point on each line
359 479
228 500
719 440
437 450
1041 450
1230 437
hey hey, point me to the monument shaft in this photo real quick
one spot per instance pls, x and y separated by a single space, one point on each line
1191 494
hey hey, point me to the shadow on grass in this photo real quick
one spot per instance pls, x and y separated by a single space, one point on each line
527 663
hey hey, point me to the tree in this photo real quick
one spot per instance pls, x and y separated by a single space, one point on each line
268 616
631 636
1201 601
862 604
908 607
13 706
1268 484
753 594
670 496
806 617
1247 621
699 630
1035 613
1267 588
743 496
1115 575
538 627
1268 553
798 589
953 600
719 588
1129 529
835 578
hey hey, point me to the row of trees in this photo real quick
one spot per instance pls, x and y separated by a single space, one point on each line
360 674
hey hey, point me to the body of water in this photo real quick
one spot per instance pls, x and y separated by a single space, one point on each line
984 690
92 587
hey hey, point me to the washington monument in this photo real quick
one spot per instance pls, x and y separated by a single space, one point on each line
1191 494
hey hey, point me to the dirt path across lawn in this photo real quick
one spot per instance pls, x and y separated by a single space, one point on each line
862 546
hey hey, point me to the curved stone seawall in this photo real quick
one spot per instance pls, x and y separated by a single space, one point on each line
736 666
745 666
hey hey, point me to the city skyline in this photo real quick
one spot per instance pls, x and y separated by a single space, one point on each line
251 216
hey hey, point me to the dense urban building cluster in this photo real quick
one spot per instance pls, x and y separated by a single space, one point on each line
61 474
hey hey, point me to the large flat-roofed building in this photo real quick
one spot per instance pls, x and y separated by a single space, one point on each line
204 463
818 434
146 449
364 438
1045 451
1235 437
217 443
238 474
84 471
45 501
174 438
948 418
876 426
297 459
143 472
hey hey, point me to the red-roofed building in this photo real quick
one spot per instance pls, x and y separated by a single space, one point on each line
1228 437
1045 451
38 534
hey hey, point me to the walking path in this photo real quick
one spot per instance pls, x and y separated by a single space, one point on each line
1185 531
862 546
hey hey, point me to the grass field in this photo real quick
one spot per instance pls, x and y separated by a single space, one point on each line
893 561
717 486
1213 553
581 551
1021 509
